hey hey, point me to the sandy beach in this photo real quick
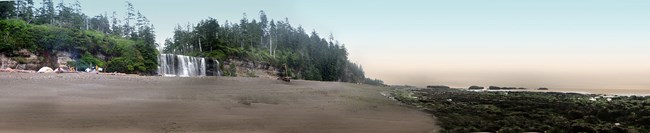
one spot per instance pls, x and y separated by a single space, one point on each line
108 103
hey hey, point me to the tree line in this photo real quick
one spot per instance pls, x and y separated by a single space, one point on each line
128 44
119 44
276 43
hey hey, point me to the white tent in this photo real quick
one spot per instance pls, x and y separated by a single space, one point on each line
45 70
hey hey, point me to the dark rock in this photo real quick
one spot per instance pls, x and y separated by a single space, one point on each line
438 87
494 88
212 67
542 89
476 87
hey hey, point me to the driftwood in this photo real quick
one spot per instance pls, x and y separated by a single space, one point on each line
285 79
120 74
18 71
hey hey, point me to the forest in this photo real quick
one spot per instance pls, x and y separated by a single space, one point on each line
520 111
121 45
277 43
128 44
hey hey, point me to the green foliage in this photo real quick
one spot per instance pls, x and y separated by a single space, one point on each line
65 28
232 70
88 61
121 64
149 57
251 74
217 54
373 81
16 35
511 112
141 56
7 9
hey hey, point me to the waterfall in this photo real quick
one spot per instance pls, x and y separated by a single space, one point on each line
187 66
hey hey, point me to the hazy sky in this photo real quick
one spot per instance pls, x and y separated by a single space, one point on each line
531 43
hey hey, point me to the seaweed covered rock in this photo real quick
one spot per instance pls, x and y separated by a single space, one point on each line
476 87
438 87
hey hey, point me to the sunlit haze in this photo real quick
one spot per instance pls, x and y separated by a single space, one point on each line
550 43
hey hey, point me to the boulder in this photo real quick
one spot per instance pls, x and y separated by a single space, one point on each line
45 70
21 66
494 88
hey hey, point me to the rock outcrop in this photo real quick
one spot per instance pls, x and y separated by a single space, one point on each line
63 58
20 60
505 88
476 87
6 62
251 69
494 88
438 87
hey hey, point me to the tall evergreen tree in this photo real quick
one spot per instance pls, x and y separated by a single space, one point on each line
116 28
25 10
46 13
128 29
7 9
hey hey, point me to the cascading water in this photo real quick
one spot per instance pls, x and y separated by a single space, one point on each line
186 66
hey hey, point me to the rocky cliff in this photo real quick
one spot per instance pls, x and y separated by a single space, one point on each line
21 60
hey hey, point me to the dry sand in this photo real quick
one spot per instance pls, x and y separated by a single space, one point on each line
105 103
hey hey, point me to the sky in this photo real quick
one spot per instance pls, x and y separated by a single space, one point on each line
527 43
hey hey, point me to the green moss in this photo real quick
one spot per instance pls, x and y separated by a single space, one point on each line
20 60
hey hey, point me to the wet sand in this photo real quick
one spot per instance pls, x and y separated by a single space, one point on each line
606 91
601 91
106 103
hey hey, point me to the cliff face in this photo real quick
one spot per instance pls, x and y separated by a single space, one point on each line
21 60
6 62
26 60
243 68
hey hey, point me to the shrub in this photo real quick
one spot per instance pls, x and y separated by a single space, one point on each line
88 61
232 70
120 64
